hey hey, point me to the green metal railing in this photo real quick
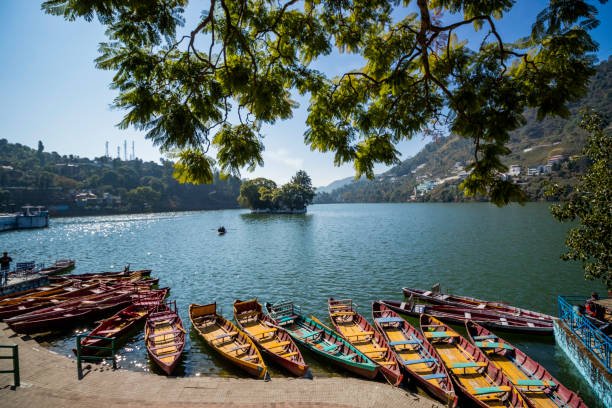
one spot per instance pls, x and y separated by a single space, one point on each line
97 350
15 357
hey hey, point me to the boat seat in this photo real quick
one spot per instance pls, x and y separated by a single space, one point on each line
334 314
240 347
402 342
167 346
329 348
440 334
312 334
490 390
348 356
339 306
357 335
225 335
389 320
291 354
169 354
494 345
106 332
418 361
535 383
434 376
467 364
427 293
249 358
266 331
248 314
279 344
286 319
173 332
487 337
376 350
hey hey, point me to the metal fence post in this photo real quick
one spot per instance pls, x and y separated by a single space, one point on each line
79 365
16 366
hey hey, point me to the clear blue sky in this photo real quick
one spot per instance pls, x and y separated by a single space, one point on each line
52 92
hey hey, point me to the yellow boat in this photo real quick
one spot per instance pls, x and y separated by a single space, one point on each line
224 337
474 374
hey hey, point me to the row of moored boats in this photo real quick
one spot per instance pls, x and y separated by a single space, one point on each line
482 367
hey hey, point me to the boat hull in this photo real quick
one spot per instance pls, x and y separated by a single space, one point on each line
327 344
458 315
442 389
530 373
165 337
204 319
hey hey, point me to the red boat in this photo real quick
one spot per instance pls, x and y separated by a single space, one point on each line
436 297
532 379
165 337
102 275
473 373
487 318
275 343
60 266
358 331
29 304
117 327
89 308
417 356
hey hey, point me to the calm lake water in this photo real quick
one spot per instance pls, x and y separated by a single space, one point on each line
359 251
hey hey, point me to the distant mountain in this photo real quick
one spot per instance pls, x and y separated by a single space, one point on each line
438 168
335 185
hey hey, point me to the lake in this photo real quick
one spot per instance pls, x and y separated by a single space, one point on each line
359 251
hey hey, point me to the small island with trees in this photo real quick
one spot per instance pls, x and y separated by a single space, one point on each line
262 195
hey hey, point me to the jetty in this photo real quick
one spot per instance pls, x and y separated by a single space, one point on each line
50 380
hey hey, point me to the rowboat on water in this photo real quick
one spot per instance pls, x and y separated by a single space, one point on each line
321 340
70 313
228 340
29 304
416 356
102 275
273 341
50 287
165 336
59 266
46 292
437 297
358 331
117 327
532 379
473 373
488 318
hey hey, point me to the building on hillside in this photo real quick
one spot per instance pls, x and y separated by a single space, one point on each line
426 186
558 158
532 171
86 199
515 170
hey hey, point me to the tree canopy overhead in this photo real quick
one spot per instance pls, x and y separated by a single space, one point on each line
237 69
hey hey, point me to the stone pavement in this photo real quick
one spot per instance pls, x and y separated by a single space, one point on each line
50 380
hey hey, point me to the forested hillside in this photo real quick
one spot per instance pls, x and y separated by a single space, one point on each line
436 170
73 185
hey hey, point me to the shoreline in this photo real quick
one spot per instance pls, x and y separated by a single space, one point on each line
50 380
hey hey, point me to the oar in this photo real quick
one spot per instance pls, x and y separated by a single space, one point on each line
321 323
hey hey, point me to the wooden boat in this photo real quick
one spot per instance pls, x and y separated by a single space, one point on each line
70 313
46 292
117 327
416 356
436 297
226 339
102 275
60 266
274 342
358 331
476 377
29 304
488 318
165 337
321 340
51 286
532 379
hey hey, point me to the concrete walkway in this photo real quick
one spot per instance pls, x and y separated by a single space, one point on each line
50 380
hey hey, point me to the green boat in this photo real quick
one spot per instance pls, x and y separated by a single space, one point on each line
321 340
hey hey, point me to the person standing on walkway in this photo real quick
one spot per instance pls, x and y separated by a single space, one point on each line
5 264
